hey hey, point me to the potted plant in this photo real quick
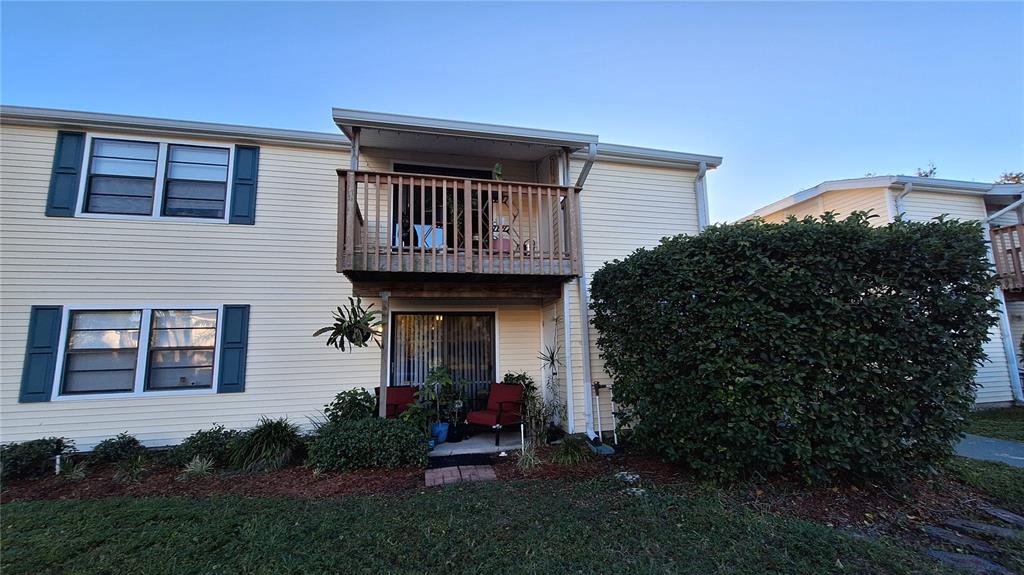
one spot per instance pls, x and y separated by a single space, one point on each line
438 380
356 325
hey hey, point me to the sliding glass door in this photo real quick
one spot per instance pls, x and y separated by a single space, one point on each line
461 342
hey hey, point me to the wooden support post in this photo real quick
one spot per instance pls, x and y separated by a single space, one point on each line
350 219
385 298
467 214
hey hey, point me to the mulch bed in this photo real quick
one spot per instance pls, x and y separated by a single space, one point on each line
294 482
873 509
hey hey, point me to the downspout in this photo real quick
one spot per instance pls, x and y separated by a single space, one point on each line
584 293
898 199
700 186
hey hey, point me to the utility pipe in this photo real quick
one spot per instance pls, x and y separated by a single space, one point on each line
898 199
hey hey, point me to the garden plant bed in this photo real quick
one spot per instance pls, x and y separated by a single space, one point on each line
293 482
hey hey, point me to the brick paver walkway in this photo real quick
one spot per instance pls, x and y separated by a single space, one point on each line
445 475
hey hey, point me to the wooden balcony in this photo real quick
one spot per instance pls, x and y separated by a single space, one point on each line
1007 242
394 224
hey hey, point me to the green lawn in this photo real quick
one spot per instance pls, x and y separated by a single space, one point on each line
541 526
999 423
1002 483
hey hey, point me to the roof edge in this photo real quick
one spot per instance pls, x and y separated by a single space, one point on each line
921 184
25 115
654 156
344 118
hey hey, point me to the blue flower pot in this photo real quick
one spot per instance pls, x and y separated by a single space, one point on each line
431 444
440 431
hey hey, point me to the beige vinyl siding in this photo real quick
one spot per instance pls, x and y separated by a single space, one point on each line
993 376
1010 218
843 203
1015 309
519 340
625 207
283 267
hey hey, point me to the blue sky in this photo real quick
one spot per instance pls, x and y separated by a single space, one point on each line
789 94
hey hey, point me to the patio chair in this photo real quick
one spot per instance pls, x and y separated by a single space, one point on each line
504 407
398 399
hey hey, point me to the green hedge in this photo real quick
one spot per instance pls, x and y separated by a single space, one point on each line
367 444
820 349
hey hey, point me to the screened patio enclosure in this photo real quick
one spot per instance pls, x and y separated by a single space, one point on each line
462 342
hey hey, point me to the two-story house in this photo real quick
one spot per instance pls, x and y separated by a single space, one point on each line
161 276
999 206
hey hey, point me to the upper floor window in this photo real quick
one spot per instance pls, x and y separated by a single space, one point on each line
146 178
122 177
197 181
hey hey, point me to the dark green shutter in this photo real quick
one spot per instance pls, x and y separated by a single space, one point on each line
40 353
234 339
243 185
67 171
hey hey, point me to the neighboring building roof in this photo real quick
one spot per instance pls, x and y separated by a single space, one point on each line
919 183
93 120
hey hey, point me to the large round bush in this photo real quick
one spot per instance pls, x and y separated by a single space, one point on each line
814 348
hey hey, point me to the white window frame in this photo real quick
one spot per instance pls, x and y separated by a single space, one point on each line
142 359
163 146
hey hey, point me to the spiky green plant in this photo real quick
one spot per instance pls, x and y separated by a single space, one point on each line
528 458
355 324
200 466
269 446
130 470
571 451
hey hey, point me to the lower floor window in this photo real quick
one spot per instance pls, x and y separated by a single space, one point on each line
104 352
463 343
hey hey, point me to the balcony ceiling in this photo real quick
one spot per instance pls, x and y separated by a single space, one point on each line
413 133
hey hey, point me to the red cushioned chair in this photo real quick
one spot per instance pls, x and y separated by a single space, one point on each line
504 407
398 399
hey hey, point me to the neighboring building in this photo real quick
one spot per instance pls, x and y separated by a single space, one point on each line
999 206
162 276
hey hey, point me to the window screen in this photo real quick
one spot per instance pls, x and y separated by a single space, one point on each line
122 177
181 348
102 350
196 182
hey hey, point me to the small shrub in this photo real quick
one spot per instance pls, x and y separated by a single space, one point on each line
30 459
571 451
213 443
120 448
271 445
367 444
73 470
199 466
130 470
351 404
528 458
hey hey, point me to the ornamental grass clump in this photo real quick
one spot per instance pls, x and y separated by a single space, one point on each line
820 349
270 445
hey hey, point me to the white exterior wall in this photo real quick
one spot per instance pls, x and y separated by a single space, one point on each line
283 266
993 376
625 207
843 203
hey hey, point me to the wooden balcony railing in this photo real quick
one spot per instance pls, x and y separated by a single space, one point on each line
1007 242
391 222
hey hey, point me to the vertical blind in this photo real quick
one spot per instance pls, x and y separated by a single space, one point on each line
461 342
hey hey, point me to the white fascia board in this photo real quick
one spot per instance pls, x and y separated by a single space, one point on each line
653 157
920 185
70 119
346 119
